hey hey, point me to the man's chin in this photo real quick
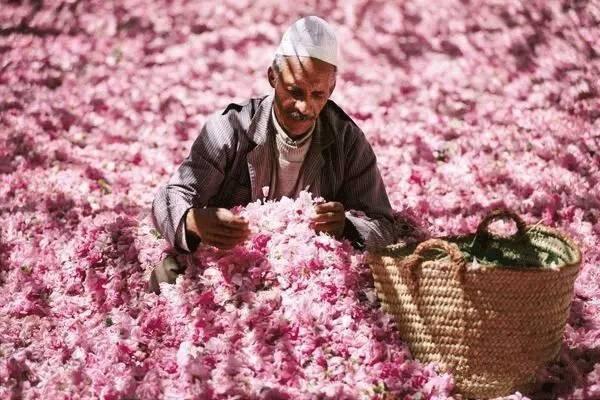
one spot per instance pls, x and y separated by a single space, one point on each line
298 128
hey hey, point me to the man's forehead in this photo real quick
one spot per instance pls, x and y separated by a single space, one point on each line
307 70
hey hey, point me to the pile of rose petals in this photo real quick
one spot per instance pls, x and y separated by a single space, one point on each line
469 106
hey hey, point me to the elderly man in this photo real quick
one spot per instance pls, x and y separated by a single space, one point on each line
275 146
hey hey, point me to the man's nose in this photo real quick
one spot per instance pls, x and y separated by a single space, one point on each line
303 107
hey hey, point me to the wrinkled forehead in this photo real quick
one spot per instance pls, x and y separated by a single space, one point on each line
307 71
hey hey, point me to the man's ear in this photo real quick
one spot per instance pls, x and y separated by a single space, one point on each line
272 77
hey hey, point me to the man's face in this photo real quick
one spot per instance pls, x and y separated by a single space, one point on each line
302 87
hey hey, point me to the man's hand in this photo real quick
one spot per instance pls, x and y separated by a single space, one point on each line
217 227
330 218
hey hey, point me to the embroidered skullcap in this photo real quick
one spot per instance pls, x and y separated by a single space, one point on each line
310 37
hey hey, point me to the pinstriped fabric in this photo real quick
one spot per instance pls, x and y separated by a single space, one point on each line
232 158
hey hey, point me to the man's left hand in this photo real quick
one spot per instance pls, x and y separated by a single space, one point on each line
330 218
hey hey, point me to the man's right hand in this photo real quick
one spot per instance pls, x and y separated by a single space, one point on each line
217 227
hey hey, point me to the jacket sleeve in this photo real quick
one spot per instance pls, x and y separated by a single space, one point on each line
194 183
369 219
183 241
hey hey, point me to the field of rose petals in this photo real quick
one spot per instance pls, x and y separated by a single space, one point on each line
469 105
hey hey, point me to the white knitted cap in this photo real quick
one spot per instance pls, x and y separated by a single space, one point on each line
310 37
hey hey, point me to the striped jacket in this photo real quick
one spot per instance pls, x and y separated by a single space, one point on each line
231 161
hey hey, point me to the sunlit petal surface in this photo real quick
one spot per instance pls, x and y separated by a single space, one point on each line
469 105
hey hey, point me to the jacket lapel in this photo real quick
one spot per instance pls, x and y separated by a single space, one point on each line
313 164
260 159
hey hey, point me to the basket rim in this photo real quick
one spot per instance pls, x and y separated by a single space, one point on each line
384 253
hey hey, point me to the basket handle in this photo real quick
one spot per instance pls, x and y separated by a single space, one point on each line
482 229
458 261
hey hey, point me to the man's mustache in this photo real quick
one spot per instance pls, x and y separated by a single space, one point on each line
298 116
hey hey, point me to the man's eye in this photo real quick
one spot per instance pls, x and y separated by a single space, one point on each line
295 92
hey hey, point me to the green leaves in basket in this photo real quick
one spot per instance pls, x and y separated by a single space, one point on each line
535 249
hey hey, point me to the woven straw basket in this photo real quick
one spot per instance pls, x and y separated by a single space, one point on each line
492 323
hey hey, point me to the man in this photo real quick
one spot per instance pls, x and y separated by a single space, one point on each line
276 146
